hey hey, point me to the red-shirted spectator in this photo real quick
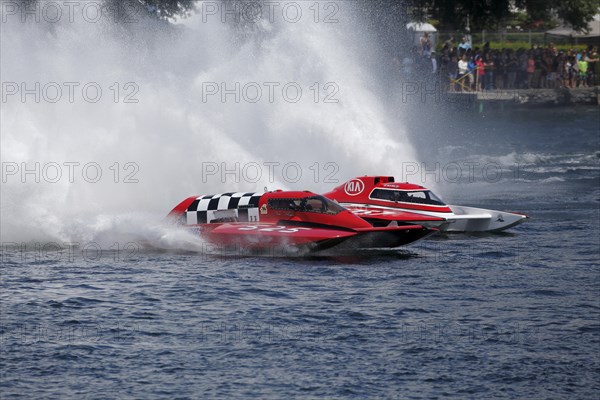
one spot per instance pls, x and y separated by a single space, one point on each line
530 70
480 72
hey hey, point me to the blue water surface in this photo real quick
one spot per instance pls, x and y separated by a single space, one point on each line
511 315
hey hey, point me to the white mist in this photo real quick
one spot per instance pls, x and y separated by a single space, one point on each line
152 152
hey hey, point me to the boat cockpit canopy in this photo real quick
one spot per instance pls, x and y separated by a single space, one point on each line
416 196
314 204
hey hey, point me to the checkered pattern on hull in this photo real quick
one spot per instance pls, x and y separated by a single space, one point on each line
242 207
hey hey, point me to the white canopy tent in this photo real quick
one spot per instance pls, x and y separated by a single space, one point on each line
418 29
593 32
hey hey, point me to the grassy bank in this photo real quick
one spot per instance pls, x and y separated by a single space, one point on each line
512 41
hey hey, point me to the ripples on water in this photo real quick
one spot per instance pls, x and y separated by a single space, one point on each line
464 316
461 316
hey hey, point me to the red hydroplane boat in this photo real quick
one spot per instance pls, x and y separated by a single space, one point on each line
381 201
286 218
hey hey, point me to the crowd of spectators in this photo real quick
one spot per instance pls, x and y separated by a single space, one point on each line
466 68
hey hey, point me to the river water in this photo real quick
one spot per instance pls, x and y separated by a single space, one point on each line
511 315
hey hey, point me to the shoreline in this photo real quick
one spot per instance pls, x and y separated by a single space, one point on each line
589 96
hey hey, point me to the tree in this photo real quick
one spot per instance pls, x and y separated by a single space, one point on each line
163 9
488 13
454 14
170 8
577 13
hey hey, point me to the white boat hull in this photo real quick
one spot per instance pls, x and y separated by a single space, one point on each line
471 219
461 219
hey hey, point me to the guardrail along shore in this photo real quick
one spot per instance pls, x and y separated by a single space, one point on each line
532 97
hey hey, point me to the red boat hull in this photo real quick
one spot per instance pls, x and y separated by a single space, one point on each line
285 219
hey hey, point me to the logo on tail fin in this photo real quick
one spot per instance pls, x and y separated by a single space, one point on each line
354 187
